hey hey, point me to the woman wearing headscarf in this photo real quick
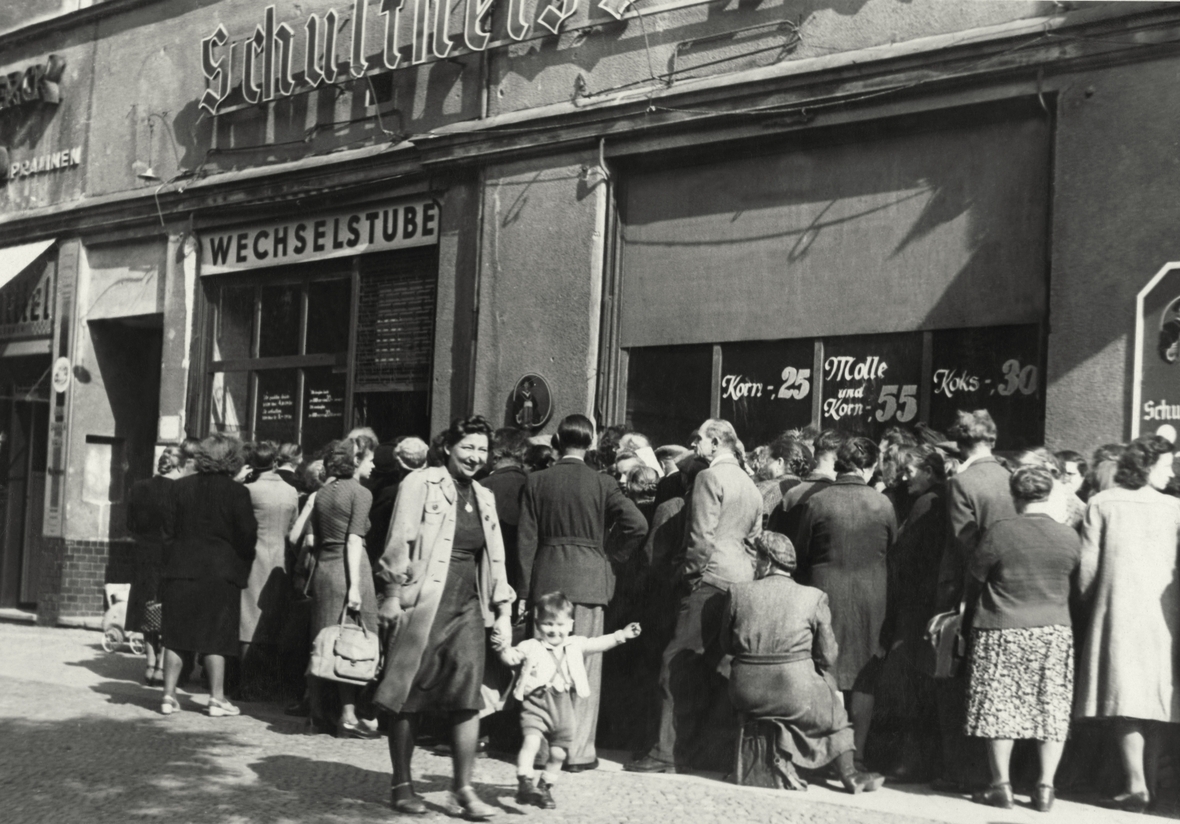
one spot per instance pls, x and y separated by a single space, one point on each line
1021 666
209 535
779 633
445 584
147 503
1127 670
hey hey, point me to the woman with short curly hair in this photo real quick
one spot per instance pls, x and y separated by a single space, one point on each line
209 536
1021 676
1127 671
445 584
343 579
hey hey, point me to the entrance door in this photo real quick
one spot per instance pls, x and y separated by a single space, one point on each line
24 457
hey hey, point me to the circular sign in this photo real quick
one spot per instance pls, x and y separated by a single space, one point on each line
61 374
532 402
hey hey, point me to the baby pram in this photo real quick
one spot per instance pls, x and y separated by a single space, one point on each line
113 633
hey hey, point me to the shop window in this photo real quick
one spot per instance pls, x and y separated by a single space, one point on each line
280 360
863 384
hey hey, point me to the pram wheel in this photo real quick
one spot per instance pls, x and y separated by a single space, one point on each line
135 641
112 639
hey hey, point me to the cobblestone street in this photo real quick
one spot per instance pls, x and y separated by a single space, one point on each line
83 742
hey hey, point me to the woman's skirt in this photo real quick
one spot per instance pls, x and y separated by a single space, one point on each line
452 667
201 615
805 704
329 592
1021 683
145 588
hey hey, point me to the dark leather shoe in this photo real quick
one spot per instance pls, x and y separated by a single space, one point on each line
409 805
297 710
997 795
1128 802
544 797
649 764
526 791
863 782
577 768
1042 798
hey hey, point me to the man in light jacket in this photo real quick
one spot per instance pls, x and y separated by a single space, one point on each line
725 516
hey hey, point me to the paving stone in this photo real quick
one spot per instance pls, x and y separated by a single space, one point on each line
81 740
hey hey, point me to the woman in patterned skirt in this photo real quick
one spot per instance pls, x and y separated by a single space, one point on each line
1021 677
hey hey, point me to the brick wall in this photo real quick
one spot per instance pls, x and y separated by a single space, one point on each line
73 573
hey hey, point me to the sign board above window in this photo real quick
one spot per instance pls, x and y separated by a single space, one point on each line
365 228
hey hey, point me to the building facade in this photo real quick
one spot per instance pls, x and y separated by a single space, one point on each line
284 221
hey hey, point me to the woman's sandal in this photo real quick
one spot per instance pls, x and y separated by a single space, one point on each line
169 705
467 804
413 805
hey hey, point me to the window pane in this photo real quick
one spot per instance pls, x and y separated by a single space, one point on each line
766 387
236 329
668 391
392 414
280 321
230 402
328 305
323 406
275 418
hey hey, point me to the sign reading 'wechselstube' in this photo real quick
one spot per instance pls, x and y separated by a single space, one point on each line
365 228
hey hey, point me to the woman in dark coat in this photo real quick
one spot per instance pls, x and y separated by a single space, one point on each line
146 505
209 535
844 538
913 592
445 584
784 651
343 578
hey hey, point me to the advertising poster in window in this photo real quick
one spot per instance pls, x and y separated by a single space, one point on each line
275 412
766 387
997 369
871 382
323 406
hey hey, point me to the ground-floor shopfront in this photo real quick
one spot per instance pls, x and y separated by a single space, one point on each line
874 265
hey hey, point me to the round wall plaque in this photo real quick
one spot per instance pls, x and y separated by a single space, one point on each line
532 402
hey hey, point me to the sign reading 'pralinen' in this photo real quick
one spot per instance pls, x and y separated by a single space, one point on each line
265 61
365 228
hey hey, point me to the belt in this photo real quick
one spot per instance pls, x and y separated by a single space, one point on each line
771 657
589 543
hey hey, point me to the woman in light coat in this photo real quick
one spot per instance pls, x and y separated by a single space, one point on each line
445 584
1128 582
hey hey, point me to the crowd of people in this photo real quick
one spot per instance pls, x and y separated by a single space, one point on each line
788 591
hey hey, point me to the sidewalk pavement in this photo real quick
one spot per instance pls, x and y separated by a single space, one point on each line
81 740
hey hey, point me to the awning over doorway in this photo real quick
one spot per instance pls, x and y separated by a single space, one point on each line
15 259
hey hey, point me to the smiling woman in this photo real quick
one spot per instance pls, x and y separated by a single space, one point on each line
445 583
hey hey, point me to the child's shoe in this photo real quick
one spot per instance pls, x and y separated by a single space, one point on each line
544 797
526 792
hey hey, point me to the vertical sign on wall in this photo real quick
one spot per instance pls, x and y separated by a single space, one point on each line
67 273
1156 391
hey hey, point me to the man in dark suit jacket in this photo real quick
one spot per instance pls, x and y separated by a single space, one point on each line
566 512
506 482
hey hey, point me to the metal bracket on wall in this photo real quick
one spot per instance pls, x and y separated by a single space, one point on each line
792 41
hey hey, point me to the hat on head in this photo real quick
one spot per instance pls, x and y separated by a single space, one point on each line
778 549
385 458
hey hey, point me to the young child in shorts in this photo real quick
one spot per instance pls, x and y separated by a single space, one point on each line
552 678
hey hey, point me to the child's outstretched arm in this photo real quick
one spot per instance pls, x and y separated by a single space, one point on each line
604 642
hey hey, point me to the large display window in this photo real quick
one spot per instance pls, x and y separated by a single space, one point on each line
303 353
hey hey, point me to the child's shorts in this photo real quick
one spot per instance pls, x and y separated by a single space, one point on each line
551 714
